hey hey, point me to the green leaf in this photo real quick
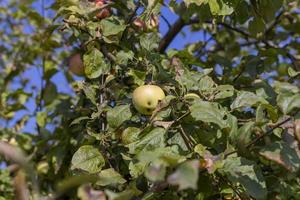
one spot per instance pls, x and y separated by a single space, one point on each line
208 112
88 158
138 76
167 155
292 72
117 115
197 2
288 102
41 118
149 41
94 64
186 175
256 26
112 26
110 177
127 194
89 91
224 91
123 57
50 93
130 134
245 172
206 83
220 7
282 154
247 99
243 136
284 87
150 141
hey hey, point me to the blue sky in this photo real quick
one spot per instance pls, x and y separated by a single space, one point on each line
59 79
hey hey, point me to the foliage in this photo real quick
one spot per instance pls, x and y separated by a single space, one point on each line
237 141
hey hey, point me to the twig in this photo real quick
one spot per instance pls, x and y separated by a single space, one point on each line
247 35
180 23
227 182
166 20
275 22
170 35
128 22
187 140
264 134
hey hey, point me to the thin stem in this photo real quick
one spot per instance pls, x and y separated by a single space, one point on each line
257 139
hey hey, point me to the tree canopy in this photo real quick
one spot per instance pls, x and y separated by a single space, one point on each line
228 127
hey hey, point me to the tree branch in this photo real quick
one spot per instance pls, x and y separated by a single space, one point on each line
265 134
171 34
180 23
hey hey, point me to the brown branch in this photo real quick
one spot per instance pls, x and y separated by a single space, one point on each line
170 35
275 22
20 186
242 32
180 23
186 139
257 139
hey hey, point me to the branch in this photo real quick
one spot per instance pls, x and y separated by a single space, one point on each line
257 139
180 23
275 22
171 34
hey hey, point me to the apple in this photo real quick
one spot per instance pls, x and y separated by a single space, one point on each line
191 96
146 97
76 64
130 135
105 12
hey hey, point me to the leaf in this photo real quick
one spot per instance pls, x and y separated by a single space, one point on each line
206 83
127 194
112 26
288 102
220 7
130 134
149 41
197 2
284 87
87 158
123 57
138 76
89 91
110 177
152 140
41 118
186 175
118 115
292 72
245 172
78 120
208 112
283 155
224 91
247 99
94 64
242 136
256 26
50 93
168 155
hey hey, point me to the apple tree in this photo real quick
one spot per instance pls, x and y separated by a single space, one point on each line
217 118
